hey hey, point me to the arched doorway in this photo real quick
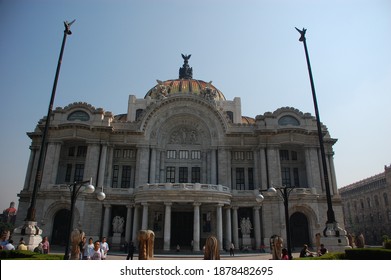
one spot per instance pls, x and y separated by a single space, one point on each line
60 227
299 230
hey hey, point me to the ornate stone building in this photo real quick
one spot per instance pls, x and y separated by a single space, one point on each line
185 163
367 207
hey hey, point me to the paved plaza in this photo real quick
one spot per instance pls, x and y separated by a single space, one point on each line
184 256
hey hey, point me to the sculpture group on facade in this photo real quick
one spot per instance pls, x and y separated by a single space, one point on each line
245 226
118 224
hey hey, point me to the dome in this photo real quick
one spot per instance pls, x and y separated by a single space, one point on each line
185 85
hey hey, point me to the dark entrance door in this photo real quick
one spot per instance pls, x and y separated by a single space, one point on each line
181 229
60 227
299 230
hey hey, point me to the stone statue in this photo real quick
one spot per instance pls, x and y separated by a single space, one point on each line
146 239
161 90
245 226
118 224
76 237
208 92
186 72
211 251
276 246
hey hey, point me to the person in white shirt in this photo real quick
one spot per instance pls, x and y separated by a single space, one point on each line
96 253
10 246
104 248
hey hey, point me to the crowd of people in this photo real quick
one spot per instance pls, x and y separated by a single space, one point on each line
93 250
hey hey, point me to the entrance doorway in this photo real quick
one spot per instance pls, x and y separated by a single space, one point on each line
60 227
299 230
181 229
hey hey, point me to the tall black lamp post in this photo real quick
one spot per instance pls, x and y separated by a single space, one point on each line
38 176
330 212
284 193
76 188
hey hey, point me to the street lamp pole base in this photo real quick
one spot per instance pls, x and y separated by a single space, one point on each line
334 238
31 233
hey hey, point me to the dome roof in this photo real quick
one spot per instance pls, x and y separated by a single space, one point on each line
185 85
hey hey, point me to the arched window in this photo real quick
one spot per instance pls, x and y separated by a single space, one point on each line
79 116
288 120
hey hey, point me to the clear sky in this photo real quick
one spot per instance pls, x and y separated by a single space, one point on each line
248 48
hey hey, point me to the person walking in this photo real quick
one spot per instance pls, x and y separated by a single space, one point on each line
130 251
97 252
104 247
45 245
231 250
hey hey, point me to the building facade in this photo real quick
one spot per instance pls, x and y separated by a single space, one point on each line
185 163
367 207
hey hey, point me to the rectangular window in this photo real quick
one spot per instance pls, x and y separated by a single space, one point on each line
71 151
183 154
240 178
170 174
128 153
296 177
79 172
68 173
284 155
117 153
196 175
125 178
81 151
286 176
195 154
183 175
171 154
114 183
250 179
294 155
238 155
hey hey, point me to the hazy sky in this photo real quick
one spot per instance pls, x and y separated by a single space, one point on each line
249 49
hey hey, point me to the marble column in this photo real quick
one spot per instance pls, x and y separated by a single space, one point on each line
51 165
144 223
136 224
91 162
167 227
102 167
128 223
257 228
106 220
196 227
213 167
219 224
162 167
152 171
28 181
228 236
110 152
235 226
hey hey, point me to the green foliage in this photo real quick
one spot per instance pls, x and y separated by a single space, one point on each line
27 255
368 254
387 244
